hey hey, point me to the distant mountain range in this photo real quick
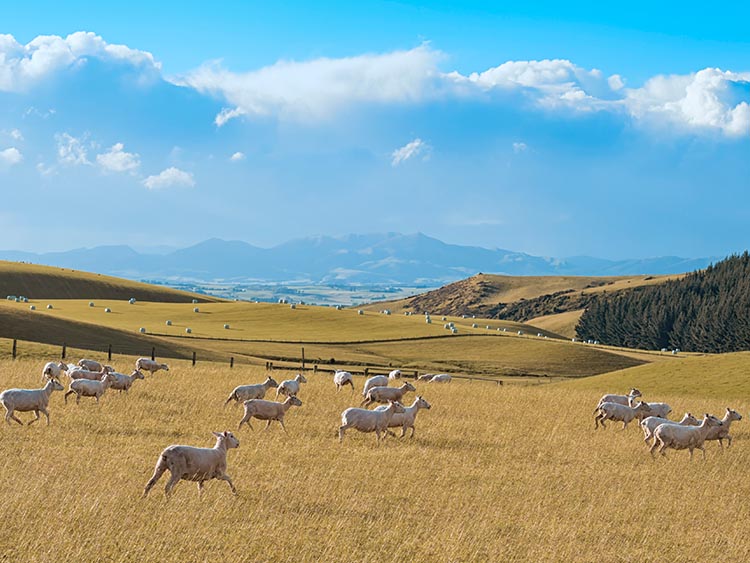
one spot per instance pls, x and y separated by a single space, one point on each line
390 258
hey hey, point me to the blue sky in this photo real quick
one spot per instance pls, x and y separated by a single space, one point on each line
554 129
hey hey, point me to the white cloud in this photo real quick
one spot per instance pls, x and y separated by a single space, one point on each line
519 147
117 160
23 65
10 156
45 170
171 177
409 150
237 156
14 134
616 82
317 89
71 151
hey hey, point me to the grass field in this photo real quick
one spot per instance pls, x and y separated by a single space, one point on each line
511 473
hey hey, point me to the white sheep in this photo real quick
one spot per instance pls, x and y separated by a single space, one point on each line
26 400
722 431
386 394
341 378
651 423
426 377
374 381
147 364
53 370
395 374
369 421
441 378
684 437
89 388
81 373
290 387
619 399
91 365
195 464
268 411
123 382
620 413
255 391
407 418
661 410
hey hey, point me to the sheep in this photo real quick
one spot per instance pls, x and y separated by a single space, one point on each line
661 410
395 374
89 388
651 423
374 381
256 391
369 421
25 400
619 399
53 370
684 437
268 411
426 377
290 387
620 413
341 378
146 364
123 382
723 431
91 365
195 464
441 378
406 419
386 394
80 373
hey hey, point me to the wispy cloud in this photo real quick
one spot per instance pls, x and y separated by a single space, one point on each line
117 160
236 157
170 178
519 147
10 156
71 151
409 150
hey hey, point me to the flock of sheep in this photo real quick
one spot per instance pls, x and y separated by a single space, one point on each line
689 433
90 378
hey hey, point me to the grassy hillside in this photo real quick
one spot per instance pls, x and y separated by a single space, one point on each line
563 324
46 282
470 486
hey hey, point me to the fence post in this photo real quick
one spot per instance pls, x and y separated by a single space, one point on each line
303 358
416 374
63 351
14 348
231 362
153 353
367 371
315 368
109 353
270 366
194 358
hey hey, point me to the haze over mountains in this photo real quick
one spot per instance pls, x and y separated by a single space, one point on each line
390 258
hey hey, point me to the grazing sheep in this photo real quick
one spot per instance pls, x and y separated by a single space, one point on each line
620 413
53 370
386 394
369 421
267 410
147 364
661 410
723 431
374 381
247 392
89 388
290 387
619 399
684 437
426 377
395 374
195 464
407 418
123 382
26 400
651 423
341 378
441 378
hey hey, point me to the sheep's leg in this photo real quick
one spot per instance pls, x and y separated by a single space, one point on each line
390 433
720 444
161 467
14 417
729 441
227 401
596 421
281 421
647 434
200 489
78 399
66 395
268 424
624 424
246 420
173 480
412 433
36 412
46 413
377 435
228 479
403 431
341 432
702 448
277 393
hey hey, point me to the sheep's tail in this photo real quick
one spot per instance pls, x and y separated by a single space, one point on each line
161 467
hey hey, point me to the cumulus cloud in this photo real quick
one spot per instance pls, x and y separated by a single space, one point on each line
117 160
71 151
10 156
170 178
616 82
409 150
21 66
317 89
236 157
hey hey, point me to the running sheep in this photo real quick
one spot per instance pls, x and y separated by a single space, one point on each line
26 400
255 391
721 432
147 364
195 464
684 437
620 413
620 399
290 387
124 382
407 418
369 421
88 388
268 411
651 423
53 370
341 378
374 381
395 374
386 394
441 378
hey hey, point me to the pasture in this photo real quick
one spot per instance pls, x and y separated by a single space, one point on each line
495 473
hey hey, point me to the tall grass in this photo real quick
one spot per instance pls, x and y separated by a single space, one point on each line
493 474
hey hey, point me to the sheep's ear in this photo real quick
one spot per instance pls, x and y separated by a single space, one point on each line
216 434
226 433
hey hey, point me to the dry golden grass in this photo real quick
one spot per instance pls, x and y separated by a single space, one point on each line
563 324
493 474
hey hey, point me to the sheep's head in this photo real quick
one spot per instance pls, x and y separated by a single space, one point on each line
301 378
409 387
56 385
733 414
634 392
137 375
711 420
294 401
690 419
271 381
165 367
108 369
230 441
422 404
109 378
643 407
397 407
